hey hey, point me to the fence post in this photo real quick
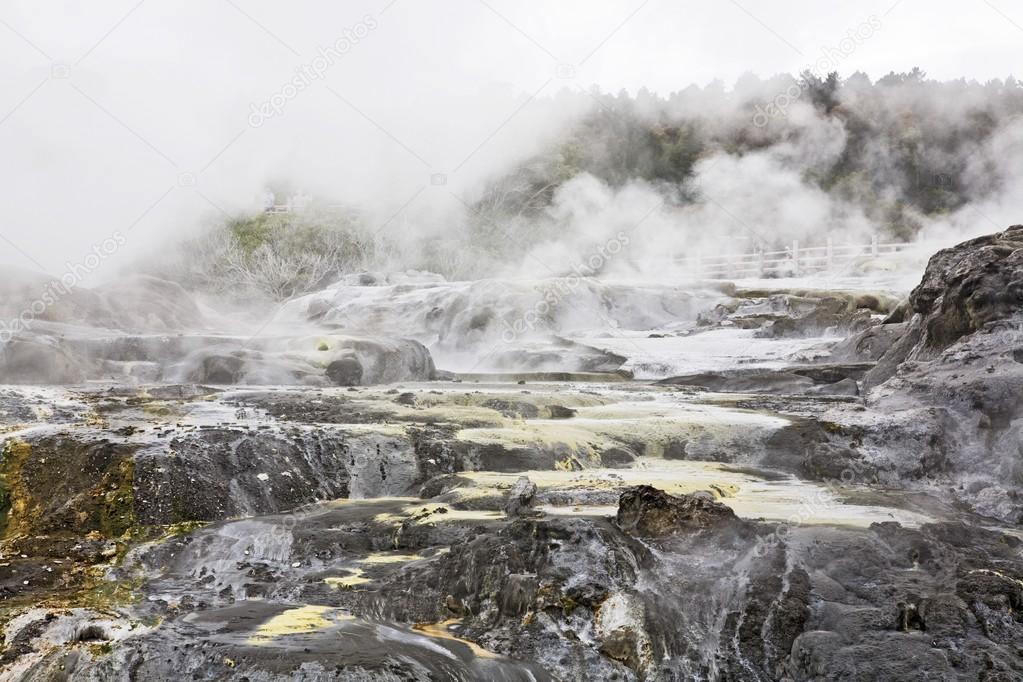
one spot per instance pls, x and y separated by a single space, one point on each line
831 253
795 257
760 261
874 245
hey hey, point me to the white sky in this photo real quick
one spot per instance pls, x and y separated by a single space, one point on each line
110 108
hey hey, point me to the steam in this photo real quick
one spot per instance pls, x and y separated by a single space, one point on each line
767 194
156 122
742 202
998 209
152 132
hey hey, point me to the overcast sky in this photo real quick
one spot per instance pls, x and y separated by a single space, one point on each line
138 116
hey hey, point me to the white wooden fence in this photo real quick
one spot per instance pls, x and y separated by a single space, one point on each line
293 204
793 261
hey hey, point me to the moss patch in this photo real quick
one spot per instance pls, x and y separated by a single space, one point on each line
99 593
117 511
12 504
61 486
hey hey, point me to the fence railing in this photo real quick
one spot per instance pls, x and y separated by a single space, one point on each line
793 261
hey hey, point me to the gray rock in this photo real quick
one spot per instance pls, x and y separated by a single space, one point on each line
823 379
520 497
43 359
948 390
964 289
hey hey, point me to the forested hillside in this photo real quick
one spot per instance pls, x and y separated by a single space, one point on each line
902 148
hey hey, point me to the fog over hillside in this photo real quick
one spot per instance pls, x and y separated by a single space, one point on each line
160 123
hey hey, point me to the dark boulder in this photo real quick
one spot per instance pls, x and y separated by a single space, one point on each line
345 371
646 511
560 412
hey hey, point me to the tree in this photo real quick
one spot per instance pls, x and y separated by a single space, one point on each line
274 255
823 91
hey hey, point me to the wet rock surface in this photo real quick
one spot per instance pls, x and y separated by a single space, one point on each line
934 399
844 512
501 325
951 367
195 562
63 355
146 330
818 379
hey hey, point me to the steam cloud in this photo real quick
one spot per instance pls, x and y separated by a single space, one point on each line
133 130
